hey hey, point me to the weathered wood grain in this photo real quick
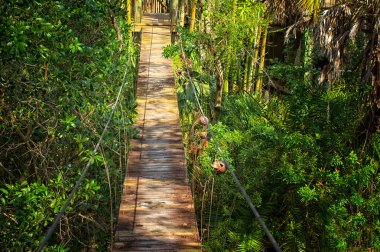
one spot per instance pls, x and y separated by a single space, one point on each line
156 211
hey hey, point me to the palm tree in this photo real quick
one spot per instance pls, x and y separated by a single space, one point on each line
311 6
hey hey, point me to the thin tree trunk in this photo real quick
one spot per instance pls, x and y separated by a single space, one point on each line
138 11
219 88
225 82
243 72
231 75
297 60
249 66
187 10
376 68
182 13
252 65
256 54
238 75
246 70
193 12
128 8
207 19
307 58
227 87
117 30
259 84
373 74
173 14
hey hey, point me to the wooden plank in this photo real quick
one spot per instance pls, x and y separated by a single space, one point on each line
149 161
156 156
158 166
163 146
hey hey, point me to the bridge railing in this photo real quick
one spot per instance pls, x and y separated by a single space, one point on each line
156 6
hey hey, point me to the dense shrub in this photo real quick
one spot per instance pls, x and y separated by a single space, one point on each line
61 66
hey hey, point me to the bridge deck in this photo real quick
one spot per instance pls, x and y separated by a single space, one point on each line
155 19
157 211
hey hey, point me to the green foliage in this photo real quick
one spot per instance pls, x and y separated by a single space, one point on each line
307 194
328 192
250 243
28 209
300 157
170 51
61 66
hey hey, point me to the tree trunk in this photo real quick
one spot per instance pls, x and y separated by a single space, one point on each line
117 30
207 19
138 11
252 65
297 60
238 75
256 54
173 14
259 84
193 12
228 87
372 75
219 88
128 8
227 70
225 82
231 76
249 66
376 65
307 58
182 13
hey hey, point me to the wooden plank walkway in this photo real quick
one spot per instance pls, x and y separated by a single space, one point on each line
156 211
156 19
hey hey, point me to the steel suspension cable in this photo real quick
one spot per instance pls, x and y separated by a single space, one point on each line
235 178
53 226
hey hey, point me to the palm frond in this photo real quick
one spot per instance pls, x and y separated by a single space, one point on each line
312 7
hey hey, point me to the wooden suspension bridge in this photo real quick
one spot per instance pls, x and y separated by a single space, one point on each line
157 210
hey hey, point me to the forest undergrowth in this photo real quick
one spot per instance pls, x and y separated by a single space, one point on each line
305 151
61 66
